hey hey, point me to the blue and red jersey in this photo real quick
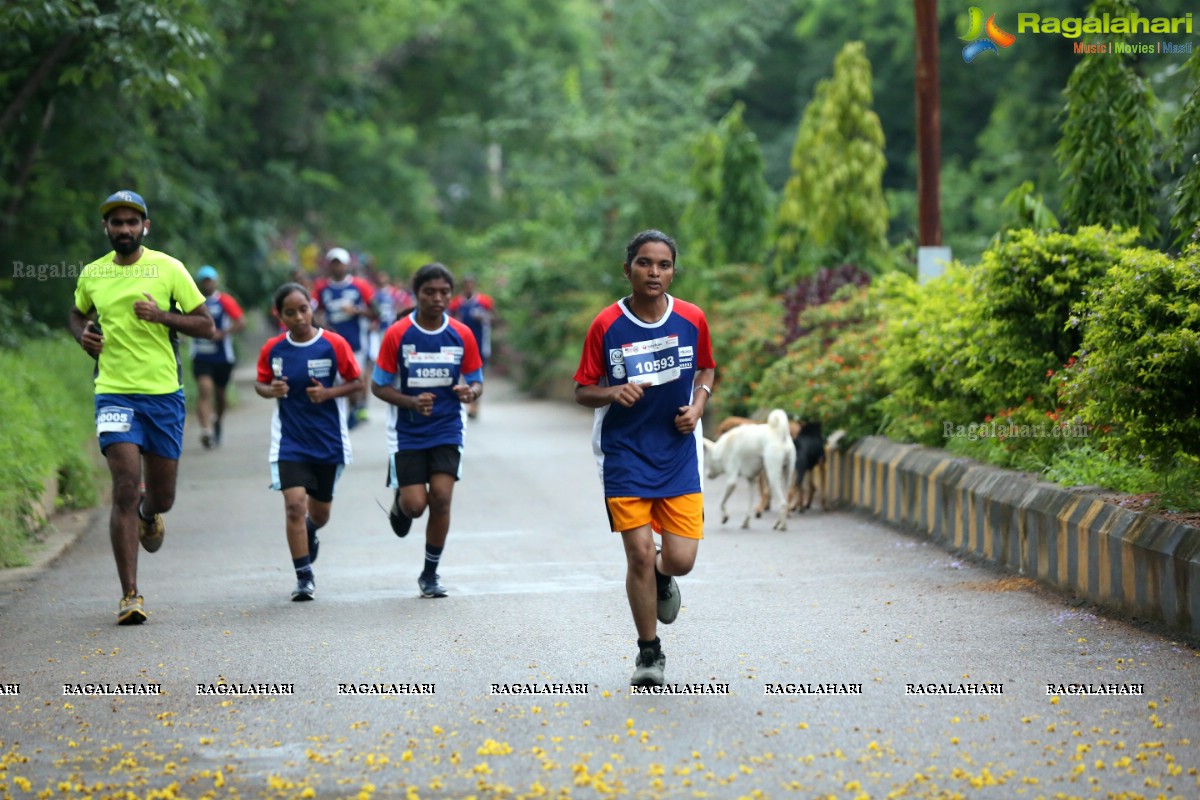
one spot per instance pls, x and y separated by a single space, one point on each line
338 299
476 311
300 429
413 361
638 450
225 311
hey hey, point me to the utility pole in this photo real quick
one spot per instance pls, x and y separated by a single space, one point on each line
929 141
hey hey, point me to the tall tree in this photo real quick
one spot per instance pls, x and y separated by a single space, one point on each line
698 226
742 205
833 205
1185 140
1108 138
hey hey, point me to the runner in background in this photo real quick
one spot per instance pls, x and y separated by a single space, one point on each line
213 359
345 305
391 302
477 310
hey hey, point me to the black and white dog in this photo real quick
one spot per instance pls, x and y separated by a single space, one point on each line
810 477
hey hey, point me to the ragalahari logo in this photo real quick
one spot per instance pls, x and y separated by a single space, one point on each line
981 37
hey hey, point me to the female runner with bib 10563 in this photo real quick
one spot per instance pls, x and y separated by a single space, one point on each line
429 368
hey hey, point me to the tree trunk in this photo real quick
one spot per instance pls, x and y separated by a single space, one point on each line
35 81
929 127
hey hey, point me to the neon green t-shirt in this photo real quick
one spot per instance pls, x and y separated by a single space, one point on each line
139 357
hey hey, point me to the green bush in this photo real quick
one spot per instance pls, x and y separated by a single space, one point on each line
1031 283
47 399
547 313
831 374
927 354
1136 375
746 328
983 342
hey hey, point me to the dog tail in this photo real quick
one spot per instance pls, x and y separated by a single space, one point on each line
777 421
835 439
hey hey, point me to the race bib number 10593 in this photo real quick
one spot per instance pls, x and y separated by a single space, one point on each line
653 362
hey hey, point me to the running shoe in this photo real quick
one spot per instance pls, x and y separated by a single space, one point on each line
305 589
668 595
649 667
217 433
431 586
131 611
401 522
314 543
668 601
361 413
206 439
151 533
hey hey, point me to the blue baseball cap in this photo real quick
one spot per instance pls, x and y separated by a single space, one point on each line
206 273
126 199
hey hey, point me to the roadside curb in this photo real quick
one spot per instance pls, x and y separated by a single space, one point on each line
1134 563
61 533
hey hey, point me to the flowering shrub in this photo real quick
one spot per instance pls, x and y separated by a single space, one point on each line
746 331
831 374
816 290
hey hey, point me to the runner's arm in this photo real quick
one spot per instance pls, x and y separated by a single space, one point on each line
80 326
197 323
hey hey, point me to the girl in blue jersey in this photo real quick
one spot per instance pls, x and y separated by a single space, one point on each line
647 368
428 368
309 371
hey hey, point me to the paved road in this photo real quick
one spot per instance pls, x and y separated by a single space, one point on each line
835 603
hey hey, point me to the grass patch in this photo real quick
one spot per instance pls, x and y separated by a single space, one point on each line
47 400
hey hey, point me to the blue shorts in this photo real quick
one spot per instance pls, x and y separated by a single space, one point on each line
154 422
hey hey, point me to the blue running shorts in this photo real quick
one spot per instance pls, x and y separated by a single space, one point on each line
154 422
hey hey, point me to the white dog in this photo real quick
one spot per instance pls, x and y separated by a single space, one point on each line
744 452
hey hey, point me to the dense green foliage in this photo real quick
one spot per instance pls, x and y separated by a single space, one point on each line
1108 139
742 205
47 435
1140 355
525 141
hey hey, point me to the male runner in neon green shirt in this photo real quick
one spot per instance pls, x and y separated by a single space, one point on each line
141 300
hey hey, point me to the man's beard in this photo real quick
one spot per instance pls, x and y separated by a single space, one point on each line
127 244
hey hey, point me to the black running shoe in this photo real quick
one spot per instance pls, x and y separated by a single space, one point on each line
305 589
431 586
314 544
401 522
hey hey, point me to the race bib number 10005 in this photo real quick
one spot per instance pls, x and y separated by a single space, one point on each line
653 362
114 419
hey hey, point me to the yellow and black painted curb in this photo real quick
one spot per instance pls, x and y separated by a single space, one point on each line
1140 565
